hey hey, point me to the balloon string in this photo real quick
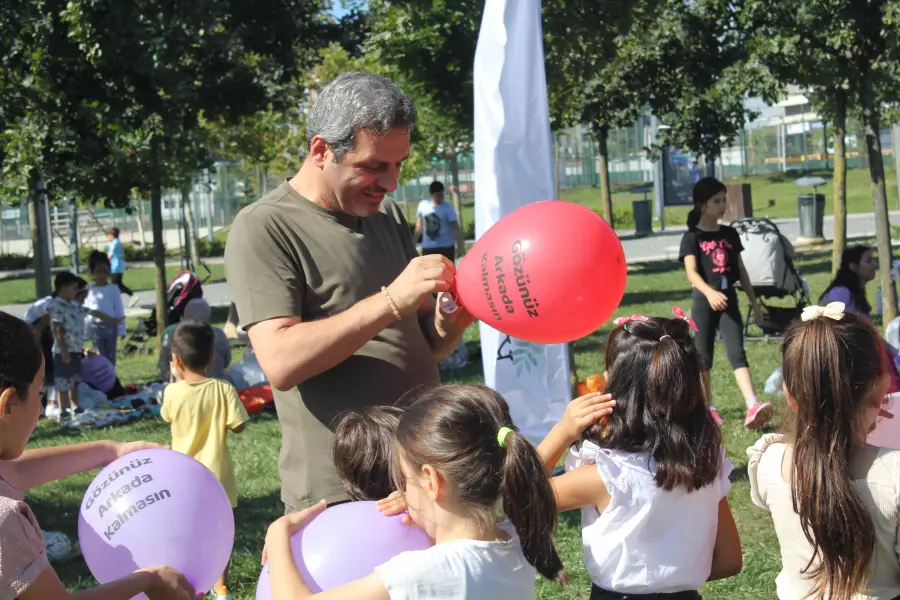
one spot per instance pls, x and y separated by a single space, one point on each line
447 303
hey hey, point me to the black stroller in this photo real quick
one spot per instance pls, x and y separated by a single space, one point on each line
768 258
183 288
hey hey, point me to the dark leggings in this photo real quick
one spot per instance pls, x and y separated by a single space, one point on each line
116 278
601 594
729 322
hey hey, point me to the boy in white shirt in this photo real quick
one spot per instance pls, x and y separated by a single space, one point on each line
106 298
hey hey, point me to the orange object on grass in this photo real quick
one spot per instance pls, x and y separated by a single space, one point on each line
255 399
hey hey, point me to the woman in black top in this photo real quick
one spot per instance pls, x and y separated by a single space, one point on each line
712 261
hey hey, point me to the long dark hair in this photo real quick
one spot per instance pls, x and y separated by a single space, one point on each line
847 278
454 428
830 368
661 403
703 190
20 355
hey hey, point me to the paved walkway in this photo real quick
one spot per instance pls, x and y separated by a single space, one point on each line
658 246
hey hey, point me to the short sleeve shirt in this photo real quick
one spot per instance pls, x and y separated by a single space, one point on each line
436 220
71 315
718 255
289 256
23 553
116 253
461 570
201 415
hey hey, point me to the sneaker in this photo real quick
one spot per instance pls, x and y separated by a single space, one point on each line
715 415
758 415
52 412
221 594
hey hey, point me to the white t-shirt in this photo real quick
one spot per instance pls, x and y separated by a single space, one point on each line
648 540
461 570
106 299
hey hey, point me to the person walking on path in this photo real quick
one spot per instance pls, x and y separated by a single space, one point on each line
116 255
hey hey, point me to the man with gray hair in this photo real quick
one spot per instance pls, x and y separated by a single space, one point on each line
338 305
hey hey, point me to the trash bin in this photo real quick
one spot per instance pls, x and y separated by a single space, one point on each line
811 212
643 217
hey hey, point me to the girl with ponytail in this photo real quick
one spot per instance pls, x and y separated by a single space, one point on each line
650 475
457 456
711 254
832 497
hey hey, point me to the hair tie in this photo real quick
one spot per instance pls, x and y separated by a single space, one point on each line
501 436
665 336
679 314
624 321
833 311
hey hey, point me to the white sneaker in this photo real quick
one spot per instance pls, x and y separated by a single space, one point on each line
52 411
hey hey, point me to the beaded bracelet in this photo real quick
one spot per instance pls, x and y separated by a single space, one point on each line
390 300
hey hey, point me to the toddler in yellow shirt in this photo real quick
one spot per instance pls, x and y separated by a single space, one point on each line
202 411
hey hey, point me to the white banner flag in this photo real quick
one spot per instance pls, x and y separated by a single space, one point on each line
514 167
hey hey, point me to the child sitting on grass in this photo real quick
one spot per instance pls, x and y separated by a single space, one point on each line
202 411
67 316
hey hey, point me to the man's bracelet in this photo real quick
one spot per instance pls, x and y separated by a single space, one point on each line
390 300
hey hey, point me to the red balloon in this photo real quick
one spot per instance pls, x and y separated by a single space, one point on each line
549 272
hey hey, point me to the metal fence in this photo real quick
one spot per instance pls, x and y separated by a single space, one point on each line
795 139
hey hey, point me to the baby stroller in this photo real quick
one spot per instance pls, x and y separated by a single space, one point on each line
768 258
183 288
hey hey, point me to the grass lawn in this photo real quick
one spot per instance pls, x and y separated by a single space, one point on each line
652 290
21 291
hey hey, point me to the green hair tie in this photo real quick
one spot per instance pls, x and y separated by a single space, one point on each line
501 436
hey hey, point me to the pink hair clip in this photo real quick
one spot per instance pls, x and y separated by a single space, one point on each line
621 321
679 314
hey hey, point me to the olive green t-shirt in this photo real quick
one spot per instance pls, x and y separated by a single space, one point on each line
288 256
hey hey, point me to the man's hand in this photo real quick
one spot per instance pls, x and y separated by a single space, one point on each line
423 276
449 324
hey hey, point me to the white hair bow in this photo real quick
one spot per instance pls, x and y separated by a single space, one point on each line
833 310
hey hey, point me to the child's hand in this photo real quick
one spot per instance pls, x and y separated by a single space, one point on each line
394 504
169 584
585 411
290 524
123 448
65 357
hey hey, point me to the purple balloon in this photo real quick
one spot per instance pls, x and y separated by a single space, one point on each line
156 507
345 543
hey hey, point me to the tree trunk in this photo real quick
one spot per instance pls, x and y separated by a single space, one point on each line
265 180
37 219
457 199
825 131
556 161
190 239
840 179
603 159
139 217
159 259
879 198
73 234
